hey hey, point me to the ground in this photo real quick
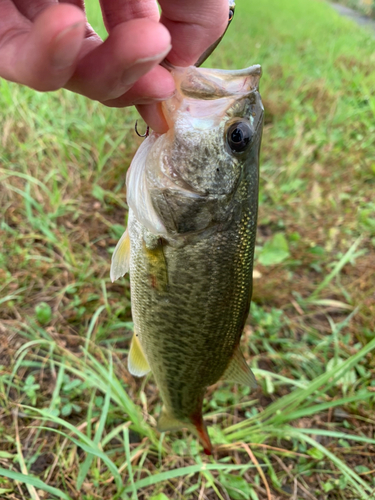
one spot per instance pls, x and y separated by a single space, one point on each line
73 422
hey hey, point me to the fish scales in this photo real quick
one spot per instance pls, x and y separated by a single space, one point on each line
192 223
190 330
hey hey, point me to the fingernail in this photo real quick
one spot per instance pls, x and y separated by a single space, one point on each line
67 45
141 67
156 57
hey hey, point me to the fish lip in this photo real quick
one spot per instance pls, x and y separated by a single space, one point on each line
253 70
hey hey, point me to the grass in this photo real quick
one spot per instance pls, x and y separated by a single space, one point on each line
73 422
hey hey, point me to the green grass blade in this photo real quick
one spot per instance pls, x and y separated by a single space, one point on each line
335 271
91 327
315 409
129 463
338 435
355 480
89 447
185 471
280 411
281 378
35 482
84 468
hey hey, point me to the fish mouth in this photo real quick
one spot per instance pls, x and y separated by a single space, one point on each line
206 94
210 84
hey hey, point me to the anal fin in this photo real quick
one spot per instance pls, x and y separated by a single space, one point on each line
137 362
239 372
121 257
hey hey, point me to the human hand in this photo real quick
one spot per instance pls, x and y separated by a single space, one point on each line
48 46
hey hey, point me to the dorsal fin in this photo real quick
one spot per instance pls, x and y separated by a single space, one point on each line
121 257
137 362
238 371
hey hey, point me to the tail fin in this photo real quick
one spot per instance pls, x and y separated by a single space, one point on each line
197 426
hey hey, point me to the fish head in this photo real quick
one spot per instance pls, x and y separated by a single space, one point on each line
187 180
215 121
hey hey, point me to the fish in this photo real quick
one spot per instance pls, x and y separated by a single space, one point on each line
192 194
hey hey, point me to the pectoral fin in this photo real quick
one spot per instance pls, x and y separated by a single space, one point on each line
167 422
121 257
156 266
137 362
239 372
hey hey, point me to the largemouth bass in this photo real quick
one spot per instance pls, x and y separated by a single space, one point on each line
189 245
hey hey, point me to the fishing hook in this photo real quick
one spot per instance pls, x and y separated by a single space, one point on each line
146 134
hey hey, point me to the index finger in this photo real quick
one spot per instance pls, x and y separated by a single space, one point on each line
194 26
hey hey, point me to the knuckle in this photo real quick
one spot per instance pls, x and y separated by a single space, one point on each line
9 35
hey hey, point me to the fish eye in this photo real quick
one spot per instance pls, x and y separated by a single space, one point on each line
239 136
231 14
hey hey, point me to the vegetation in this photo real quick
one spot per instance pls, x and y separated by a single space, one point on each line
366 7
73 423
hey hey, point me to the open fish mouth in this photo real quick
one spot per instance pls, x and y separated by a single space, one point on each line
205 95
215 83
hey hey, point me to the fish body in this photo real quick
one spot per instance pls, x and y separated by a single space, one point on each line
189 246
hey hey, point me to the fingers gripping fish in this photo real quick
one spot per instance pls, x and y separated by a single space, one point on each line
189 246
